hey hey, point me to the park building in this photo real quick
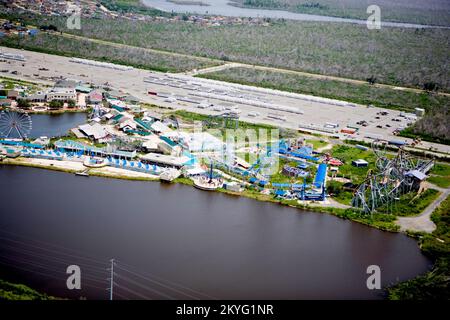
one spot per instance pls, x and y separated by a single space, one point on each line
61 94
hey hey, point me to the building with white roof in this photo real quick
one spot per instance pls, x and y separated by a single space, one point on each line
165 160
95 132
160 127
61 94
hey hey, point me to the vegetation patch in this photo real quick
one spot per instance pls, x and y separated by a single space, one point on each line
136 57
410 204
440 175
347 154
433 126
12 291
434 12
436 283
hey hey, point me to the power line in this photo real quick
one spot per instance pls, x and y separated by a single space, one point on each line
120 296
147 277
53 245
50 250
145 287
44 255
50 258
47 275
47 268
134 292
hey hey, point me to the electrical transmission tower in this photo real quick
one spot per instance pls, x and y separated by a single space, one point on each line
111 280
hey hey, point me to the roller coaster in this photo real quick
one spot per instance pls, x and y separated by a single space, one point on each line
391 178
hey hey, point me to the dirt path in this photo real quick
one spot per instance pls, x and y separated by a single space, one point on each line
212 69
422 222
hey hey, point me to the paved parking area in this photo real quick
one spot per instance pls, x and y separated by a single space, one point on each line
257 105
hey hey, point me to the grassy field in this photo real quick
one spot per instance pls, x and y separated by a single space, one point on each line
136 57
346 154
440 175
436 12
362 94
398 56
434 284
409 204
335 189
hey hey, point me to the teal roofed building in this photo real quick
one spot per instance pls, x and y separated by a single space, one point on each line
83 89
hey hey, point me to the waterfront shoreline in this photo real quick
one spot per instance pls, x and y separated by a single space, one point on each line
135 176
99 172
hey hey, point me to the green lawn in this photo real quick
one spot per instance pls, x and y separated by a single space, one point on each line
334 188
409 204
441 169
440 175
443 182
318 143
348 153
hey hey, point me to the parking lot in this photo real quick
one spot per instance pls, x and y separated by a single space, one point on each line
256 105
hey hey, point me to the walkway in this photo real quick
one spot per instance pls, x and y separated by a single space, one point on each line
422 222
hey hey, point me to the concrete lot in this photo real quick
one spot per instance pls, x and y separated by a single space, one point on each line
298 110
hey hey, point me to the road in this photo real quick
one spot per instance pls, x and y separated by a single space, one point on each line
422 222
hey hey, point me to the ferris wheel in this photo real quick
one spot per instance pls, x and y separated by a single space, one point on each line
15 124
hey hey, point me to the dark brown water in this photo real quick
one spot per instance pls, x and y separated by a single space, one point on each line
53 125
185 242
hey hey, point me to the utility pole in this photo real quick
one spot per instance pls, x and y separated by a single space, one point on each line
111 279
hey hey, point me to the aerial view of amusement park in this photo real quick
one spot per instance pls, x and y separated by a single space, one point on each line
164 173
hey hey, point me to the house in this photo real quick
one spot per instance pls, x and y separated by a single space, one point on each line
127 124
95 97
61 94
95 132
360 163
151 143
160 127
37 97
5 102
83 89
42 141
13 94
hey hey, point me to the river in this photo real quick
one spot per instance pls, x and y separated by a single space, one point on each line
222 7
185 243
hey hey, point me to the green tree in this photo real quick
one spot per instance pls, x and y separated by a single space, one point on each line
71 103
23 104
55 104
